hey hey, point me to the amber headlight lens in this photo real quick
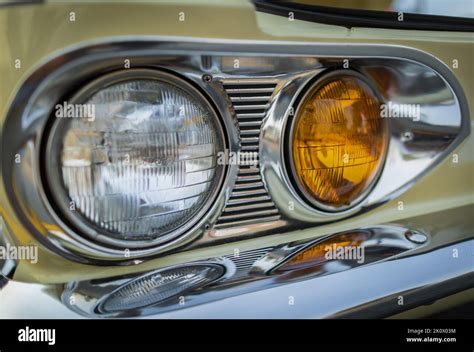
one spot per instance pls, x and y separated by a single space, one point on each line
135 162
338 141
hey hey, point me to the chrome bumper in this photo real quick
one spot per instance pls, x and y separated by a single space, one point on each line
373 291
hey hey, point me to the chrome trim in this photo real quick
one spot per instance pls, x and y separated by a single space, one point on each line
382 242
243 207
85 298
7 265
385 242
3 281
253 276
406 160
244 261
370 291
57 77
76 65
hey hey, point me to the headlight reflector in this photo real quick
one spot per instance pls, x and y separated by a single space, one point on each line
144 167
338 141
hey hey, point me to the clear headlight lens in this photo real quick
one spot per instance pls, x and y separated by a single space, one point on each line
338 142
143 166
160 286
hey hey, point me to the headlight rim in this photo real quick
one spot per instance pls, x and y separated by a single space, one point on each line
77 227
299 190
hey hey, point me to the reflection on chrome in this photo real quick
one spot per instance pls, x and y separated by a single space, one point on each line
249 271
250 196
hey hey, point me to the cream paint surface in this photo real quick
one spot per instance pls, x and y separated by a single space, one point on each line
36 33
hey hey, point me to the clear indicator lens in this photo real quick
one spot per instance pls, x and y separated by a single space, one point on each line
160 286
144 163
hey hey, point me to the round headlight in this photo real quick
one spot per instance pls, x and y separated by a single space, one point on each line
132 158
338 141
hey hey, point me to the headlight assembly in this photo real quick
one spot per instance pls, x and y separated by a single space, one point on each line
156 161
141 167
338 141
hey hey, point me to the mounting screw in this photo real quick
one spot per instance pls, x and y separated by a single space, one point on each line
416 237
207 227
207 78
407 136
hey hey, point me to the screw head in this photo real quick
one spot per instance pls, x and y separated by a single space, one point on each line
416 237
207 78
407 136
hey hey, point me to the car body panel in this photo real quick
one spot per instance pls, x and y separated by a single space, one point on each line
36 33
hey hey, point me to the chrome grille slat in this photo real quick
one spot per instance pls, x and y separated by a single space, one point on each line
248 206
250 123
259 115
244 215
249 201
249 148
262 98
243 178
249 90
248 170
250 139
250 254
248 185
250 132
242 193
242 222
248 82
250 107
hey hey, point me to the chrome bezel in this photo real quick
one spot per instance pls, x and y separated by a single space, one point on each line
90 305
72 220
291 174
295 64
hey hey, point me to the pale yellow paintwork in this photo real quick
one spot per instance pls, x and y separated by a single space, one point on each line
35 33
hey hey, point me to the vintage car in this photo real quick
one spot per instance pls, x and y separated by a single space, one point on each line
236 159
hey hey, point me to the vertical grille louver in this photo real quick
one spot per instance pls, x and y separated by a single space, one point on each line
249 201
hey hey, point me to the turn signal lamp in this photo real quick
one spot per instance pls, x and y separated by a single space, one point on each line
160 286
318 253
338 141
